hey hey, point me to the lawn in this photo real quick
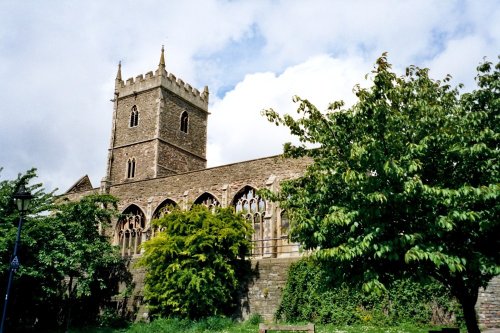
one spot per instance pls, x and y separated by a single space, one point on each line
221 325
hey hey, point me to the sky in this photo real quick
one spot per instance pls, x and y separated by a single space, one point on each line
58 62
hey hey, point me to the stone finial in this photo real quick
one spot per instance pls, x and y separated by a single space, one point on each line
205 93
161 65
119 73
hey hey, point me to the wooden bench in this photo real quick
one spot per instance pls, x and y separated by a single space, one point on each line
264 328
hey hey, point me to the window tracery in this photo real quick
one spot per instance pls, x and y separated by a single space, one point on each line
163 209
130 229
253 208
208 200
134 117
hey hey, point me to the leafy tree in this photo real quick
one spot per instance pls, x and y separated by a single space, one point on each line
404 181
66 263
196 263
78 252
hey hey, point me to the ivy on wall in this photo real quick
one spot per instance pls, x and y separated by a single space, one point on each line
315 292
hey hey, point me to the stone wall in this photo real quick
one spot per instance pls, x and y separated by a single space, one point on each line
147 106
262 294
195 140
222 182
488 304
265 287
144 155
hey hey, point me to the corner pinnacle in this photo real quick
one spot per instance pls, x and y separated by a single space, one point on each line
162 58
119 73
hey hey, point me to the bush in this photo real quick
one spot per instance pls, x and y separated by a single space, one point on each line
255 319
196 265
110 317
316 292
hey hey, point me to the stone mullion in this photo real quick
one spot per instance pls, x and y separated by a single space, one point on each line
270 217
136 241
122 244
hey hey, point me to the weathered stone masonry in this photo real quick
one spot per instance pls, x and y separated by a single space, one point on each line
157 157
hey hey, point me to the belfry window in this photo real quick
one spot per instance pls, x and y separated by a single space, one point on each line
131 168
184 122
253 209
134 117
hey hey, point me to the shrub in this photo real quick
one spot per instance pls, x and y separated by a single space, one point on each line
195 265
255 319
319 293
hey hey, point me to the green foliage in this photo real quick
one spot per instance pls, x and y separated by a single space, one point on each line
406 180
316 292
175 325
224 325
110 318
195 265
68 268
255 319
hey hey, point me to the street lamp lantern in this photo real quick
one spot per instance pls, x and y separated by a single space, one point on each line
22 198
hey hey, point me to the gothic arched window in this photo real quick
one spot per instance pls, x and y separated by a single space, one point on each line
184 122
208 200
134 117
163 209
130 229
131 168
253 209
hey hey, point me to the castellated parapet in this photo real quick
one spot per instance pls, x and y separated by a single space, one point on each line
166 80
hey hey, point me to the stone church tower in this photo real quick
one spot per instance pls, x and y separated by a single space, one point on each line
159 127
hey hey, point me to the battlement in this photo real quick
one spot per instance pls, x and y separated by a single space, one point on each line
164 79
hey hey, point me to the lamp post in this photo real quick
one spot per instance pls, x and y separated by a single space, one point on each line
22 198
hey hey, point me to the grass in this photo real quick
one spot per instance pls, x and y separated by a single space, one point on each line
224 325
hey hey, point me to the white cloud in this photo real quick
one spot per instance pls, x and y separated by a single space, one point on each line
58 61
237 131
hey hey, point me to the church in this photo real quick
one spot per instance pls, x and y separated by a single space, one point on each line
157 159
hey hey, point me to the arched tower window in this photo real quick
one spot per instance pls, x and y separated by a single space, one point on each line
134 117
163 209
184 122
253 209
130 229
131 168
207 200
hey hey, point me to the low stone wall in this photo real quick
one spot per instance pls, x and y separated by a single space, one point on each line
265 287
262 294
488 304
